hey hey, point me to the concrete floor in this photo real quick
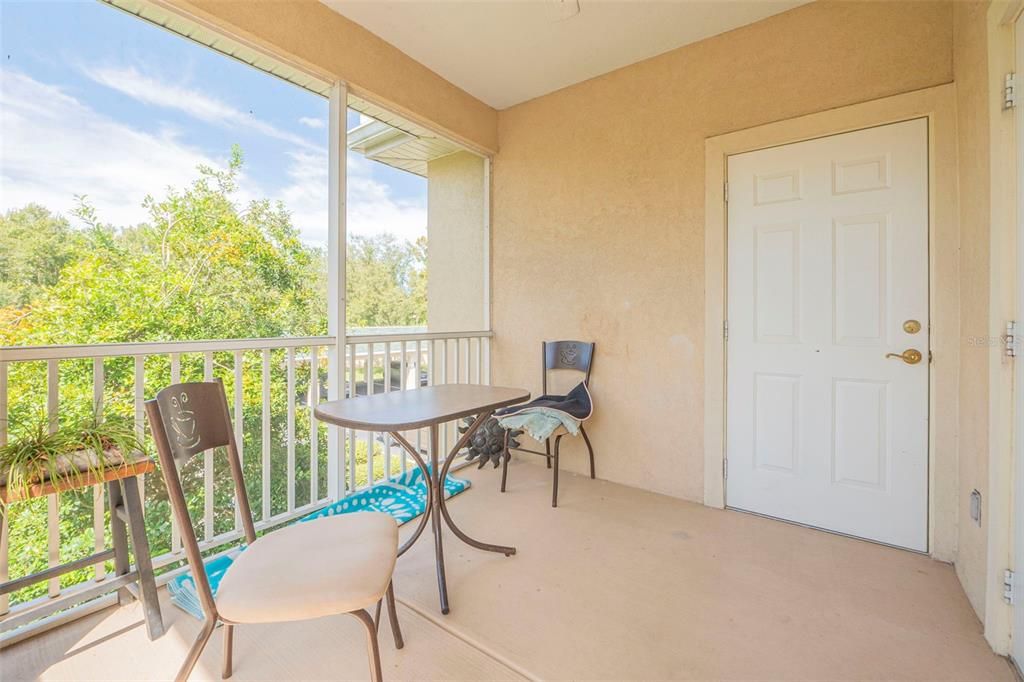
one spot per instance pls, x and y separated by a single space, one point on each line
616 583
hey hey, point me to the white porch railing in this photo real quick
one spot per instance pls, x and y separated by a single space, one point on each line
272 385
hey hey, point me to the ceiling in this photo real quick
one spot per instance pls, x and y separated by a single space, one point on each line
505 52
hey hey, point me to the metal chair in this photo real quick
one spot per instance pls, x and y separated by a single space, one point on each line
570 355
331 565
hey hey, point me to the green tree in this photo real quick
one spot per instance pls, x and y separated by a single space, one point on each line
386 282
200 267
35 245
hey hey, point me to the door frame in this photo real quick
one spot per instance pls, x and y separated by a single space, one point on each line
862 514
937 104
1016 617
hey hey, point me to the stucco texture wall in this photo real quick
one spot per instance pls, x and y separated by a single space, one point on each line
334 47
455 243
970 54
598 210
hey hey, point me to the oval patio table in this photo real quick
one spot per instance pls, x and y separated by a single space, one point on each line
427 407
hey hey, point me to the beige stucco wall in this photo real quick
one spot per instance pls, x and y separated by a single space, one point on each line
598 209
456 243
598 217
970 61
983 54
332 47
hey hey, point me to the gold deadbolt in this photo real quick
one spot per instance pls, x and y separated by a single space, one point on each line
911 356
911 326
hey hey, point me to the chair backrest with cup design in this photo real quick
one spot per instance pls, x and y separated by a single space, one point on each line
188 419
572 355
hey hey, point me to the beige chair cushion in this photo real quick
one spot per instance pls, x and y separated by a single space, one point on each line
330 565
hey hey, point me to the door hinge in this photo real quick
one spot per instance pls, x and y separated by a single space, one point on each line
1010 91
725 191
1010 339
1008 591
725 468
725 330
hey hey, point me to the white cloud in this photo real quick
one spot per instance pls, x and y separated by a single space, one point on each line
305 195
190 101
53 146
372 209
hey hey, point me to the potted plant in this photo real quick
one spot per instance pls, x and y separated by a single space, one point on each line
67 457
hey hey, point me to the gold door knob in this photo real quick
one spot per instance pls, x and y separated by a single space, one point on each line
911 356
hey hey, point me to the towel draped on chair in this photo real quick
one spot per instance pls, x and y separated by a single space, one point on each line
543 416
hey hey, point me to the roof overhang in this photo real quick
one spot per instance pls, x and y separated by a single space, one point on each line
398 143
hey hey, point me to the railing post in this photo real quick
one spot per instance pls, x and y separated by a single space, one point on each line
314 428
4 543
290 417
99 520
351 439
239 398
140 418
53 500
265 423
336 239
208 482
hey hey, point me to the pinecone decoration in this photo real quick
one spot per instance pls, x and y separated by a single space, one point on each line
488 443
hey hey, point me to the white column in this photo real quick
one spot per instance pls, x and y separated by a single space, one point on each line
336 240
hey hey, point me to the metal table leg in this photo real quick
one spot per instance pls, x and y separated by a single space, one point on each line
436 512
500 549
449 460
437 494
428 509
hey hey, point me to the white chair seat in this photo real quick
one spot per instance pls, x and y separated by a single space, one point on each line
330 565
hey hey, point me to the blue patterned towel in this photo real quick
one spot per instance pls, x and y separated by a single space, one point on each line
404 498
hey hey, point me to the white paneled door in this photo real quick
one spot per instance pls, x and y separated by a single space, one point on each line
827 394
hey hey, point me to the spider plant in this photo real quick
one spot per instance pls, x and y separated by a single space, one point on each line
66 455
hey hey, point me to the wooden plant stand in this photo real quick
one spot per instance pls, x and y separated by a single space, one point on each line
121 481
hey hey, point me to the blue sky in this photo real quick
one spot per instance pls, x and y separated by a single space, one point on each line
94 101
